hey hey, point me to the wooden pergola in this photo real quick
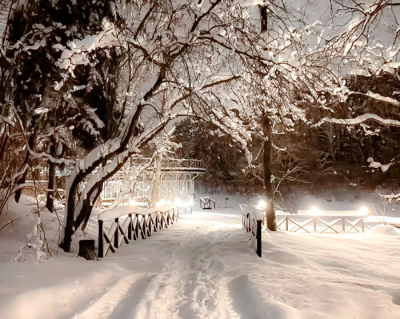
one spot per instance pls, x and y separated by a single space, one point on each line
176 180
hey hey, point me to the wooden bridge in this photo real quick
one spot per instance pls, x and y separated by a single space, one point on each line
130 223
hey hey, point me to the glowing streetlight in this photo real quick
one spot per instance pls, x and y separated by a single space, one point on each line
363 211
262 204
315 211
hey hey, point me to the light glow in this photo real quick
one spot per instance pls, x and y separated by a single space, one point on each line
161 203
132 202
363 211
315 211
178 201
262 204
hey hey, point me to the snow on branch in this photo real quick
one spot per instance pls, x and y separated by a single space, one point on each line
377 96
358 120
391 197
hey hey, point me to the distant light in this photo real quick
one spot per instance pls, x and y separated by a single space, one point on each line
364 210
132 202
315 211
161 203
262 204
168 202
178 201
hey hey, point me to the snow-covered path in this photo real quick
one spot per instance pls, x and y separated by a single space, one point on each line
192 281
203 267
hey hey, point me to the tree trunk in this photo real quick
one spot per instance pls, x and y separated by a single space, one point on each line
80 176
70 211
155 192
267 145
22 179
52 179
88 210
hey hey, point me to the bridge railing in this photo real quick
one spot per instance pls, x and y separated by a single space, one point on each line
334 223
131 223
252 224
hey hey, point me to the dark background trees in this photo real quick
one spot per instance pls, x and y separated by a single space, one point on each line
326 156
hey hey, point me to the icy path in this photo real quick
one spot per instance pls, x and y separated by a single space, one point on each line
203 267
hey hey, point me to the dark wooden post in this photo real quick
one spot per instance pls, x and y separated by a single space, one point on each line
137 227
259 238
144 235
100 241
130 227
116 234
157 226
149 219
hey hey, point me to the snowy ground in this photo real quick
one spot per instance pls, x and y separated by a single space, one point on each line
203 267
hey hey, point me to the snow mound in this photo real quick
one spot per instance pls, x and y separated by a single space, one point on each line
384 230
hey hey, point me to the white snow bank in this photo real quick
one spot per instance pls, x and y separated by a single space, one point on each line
18 219
204 267
56 289
383 220
384 230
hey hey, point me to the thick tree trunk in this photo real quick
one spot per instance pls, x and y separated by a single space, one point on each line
87 208
69 225
271 224
73 190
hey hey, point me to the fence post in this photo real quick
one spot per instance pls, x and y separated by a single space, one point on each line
287 223
259 239
100 241
344 224
144 228
137 226
116 234
362 225
130 227
315 225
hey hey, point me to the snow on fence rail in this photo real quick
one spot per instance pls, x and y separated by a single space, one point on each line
252 223
137 223
323 221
